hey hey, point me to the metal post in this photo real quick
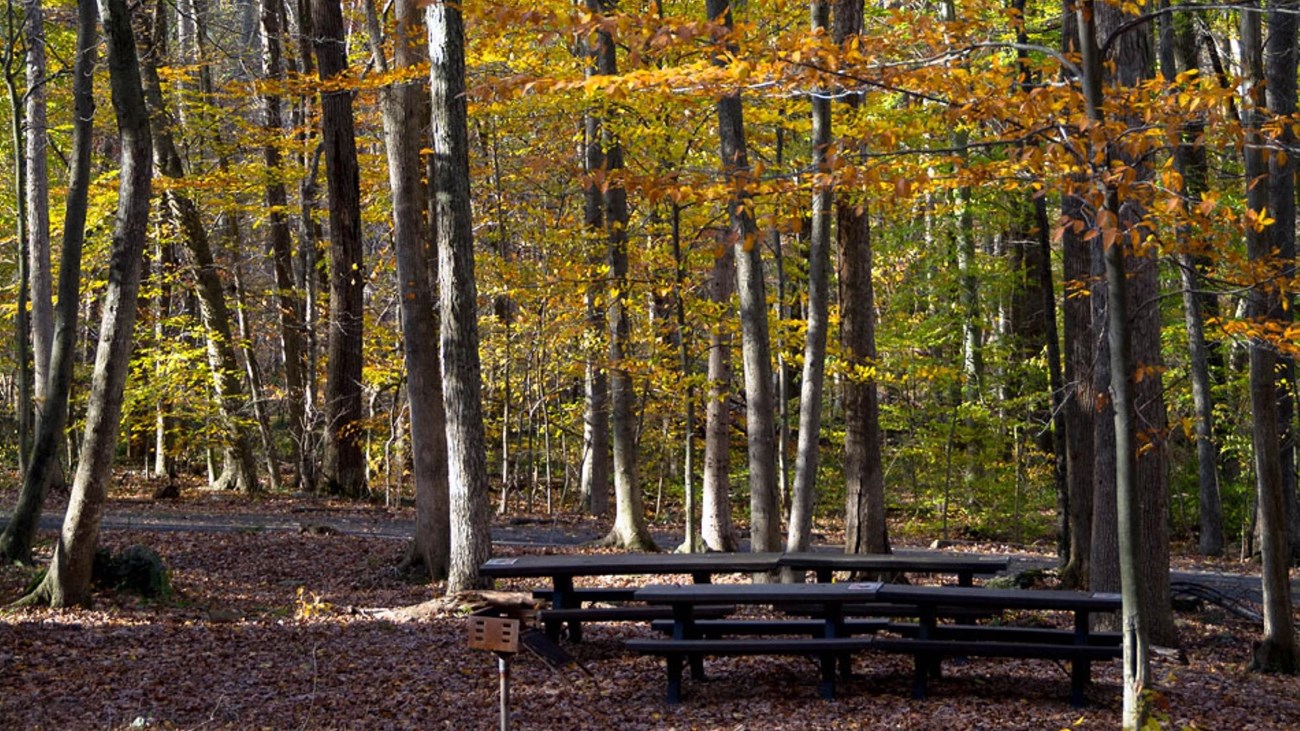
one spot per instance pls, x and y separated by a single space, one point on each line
503 671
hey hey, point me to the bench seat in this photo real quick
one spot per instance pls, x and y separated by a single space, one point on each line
929 652
893 609
551 619
828 650
1004 633
594 594
716 628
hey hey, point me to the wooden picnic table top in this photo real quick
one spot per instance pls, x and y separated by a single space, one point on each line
894 562
1076 601
855 591
628 563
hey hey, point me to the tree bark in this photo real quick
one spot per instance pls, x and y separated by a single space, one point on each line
1280 67
1111 239
1276 651
814 357
865 527
461 386
764 508
401 107
629 530
716 526
16 541
279 235
343 461
1189 161
38 207
67 582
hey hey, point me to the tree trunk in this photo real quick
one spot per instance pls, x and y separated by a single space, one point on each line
865 527
764 509
184 213
252 368
629 529
1111 238
692 543
1081 401
1276 652
814 356
402 125
343 463
595 422
716 526
461 386
279 236
1281 99
67 582
1189 161
16 541
38 210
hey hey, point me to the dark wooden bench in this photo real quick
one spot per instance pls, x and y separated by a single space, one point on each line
1004 633
592 594
690 640
553 619
929 642
928 653
719 628
675 651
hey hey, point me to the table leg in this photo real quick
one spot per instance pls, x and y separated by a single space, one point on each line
1080 668
674 678
928 619
827 685
684 629
833 628
562 598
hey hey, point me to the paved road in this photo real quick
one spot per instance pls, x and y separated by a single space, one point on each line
536 532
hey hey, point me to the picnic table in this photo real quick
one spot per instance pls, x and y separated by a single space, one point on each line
930 641
831 642
825 564
566 600
831 635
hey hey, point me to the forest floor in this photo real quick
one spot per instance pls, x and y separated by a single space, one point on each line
279 619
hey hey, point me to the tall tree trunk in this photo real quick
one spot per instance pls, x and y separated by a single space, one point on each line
226 384
630 530
38 210
814 356
1133 63
717 529
343 460
1280 67
67 582
1277 651
461 386
279 236
595 423
1189 161
22 325
1081 401
692 542
865 526
764 508
16 541
253 368
1132 569
402 127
